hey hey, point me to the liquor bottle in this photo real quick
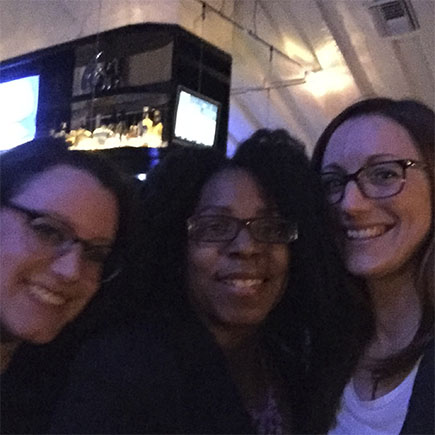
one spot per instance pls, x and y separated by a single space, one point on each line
101 132
146 122
121 125
155 130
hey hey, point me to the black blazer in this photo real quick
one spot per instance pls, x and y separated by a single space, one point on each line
421 411
32 384
151 377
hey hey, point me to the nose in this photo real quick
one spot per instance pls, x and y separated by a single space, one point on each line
68 265
353 201
244 244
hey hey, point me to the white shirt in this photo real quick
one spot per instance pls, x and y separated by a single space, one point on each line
381 416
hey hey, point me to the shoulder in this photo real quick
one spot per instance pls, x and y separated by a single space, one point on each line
123 380
420 417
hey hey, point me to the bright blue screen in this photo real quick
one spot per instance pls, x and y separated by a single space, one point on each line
18 108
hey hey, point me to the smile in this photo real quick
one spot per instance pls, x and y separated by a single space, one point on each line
366 233
243 283
46 296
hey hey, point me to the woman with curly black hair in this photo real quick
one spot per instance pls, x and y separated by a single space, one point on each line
248 300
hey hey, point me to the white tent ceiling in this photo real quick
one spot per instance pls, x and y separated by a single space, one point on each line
325 54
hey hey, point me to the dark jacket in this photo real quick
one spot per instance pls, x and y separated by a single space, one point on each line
151 377
32 384
421 411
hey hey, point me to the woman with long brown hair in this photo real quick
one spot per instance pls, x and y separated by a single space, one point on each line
376 161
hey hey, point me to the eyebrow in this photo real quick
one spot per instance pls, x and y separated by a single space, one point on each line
372 159
96 242
228 210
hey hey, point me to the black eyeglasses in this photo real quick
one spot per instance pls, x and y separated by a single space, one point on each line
57 238
218 228
377 180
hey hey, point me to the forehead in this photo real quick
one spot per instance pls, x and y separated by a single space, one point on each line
74 195
358 139
235 189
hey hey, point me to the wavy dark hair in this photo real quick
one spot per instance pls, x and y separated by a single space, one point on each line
20 165
418 120
321 315
317 303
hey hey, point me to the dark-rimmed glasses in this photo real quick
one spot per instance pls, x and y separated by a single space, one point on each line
57 238
376 180
217 228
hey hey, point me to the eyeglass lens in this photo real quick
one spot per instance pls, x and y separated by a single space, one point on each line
225 228
58 240
380 180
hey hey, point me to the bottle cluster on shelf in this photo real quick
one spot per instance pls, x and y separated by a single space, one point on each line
117 131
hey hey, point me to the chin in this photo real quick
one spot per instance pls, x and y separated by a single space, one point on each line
370 269
245 320
39 337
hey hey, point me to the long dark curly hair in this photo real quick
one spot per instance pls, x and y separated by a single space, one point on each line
320 318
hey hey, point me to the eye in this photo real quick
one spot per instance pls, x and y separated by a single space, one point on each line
48 232
384 174
214 226
269 228
332 183
210 228
272 229
97 254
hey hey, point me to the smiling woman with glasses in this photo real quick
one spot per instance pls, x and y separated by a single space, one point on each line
376 161
249 302
64 219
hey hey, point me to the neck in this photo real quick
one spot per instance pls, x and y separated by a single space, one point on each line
398 308
245 358
235 340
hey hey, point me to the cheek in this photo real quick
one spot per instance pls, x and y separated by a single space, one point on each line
15 263
282 259
200 265
416 215
87 291
279 263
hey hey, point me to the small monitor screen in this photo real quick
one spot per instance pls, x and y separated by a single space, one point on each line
196 119
18 109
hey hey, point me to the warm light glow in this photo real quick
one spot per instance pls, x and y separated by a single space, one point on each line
327 81
329 55
298 53
84 140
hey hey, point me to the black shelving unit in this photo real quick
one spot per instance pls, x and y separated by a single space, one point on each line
140 65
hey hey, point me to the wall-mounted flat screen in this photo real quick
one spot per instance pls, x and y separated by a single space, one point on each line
196 118
18 109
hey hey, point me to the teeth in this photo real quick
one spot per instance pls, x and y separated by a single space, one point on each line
46 296
366 233
243 283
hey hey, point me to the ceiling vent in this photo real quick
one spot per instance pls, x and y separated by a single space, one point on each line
394 17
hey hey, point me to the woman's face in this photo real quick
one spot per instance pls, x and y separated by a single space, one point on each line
42 287
235 284
380 236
